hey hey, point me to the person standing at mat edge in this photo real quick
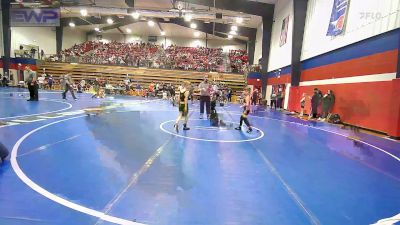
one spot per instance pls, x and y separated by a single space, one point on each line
50 82
66 83
183 106
33 86
302 104
246 111
327 101
315 102
205 91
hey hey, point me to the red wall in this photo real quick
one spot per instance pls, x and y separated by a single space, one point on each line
366 104
282 79
13 66
255 83
394 116
370 104
385 62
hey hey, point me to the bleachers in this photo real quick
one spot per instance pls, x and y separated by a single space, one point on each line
154 56
144 76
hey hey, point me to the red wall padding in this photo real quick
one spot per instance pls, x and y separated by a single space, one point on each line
394 116
385 62
294 99
22 67
366 105
283 79
254 82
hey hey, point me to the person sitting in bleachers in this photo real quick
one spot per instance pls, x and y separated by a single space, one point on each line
154 56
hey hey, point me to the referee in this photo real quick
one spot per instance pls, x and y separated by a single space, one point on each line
33 86
205 92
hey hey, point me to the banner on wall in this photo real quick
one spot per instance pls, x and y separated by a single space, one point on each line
338 17
284 31
40 17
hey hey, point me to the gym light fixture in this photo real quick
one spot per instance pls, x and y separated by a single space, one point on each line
233 32
162 33
97 29
72 24
128 30
135 15
234 28
230 36
84 12
193 25
188 17
196 34
151 23
239 19
110 21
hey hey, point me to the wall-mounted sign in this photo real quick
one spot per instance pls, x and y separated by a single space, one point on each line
152 38
41 17
284 31
338 17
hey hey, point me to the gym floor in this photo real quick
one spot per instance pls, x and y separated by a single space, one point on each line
127 165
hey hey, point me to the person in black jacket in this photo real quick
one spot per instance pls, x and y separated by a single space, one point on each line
4 81
279 99
327 103
315 101
229 95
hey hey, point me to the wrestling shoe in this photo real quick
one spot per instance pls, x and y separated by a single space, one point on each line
176 128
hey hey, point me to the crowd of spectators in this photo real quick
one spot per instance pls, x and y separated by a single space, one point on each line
238 60
154 56
190 58
116 53
81 49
